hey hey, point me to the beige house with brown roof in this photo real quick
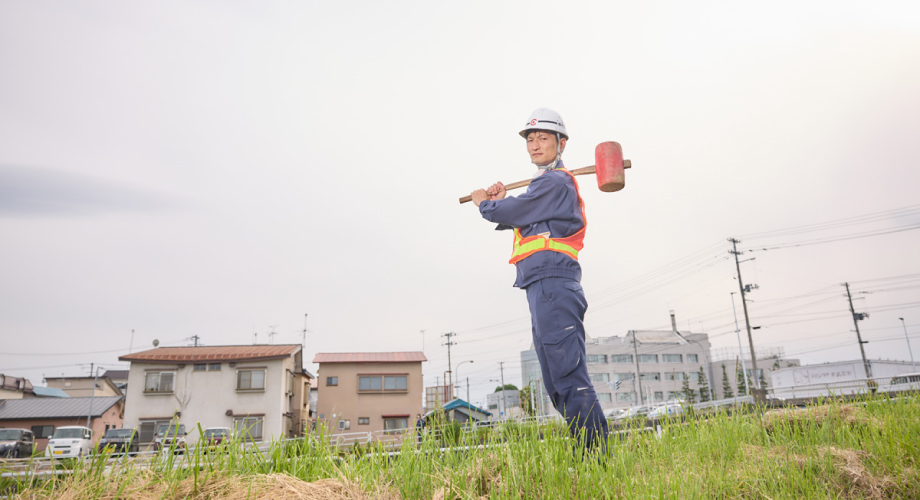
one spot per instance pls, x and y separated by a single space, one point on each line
82 387
261 388
369 391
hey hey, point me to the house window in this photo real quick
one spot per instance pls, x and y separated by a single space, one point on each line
248 427
624 376
370 384
672 358
599 377
395 383
604 397
331 381
648 358
649 377
493 407
597 359
250 380
42 431
621 358
674 375
200 367
214 367
344 425
395 424
673 395
694 376
693 358
159 382
626 396
364 421
659 396
383 383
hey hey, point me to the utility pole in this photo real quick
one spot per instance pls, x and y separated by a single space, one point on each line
747 320
747 388
501 366
449 368
908 344
856 318
467 389
304 340
92 396
638 387
195 339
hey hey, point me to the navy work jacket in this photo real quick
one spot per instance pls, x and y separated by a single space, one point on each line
550 204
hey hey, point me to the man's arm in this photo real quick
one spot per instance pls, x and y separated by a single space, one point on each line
537 204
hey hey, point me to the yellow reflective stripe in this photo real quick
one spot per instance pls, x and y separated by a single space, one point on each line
530 246
562 247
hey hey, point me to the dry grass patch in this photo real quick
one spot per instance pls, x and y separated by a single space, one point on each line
848 415
146 486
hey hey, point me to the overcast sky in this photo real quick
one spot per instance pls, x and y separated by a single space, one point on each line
224 168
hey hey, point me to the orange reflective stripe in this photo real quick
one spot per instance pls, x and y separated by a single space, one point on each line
569 245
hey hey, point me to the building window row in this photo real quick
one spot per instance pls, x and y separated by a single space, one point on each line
602 359
164 382
206 367
599 377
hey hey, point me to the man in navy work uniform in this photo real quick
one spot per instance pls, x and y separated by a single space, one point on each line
549 225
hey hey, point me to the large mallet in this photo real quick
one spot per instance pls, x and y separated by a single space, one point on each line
609 166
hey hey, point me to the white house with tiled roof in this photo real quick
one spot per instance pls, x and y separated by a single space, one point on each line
369 391
260 388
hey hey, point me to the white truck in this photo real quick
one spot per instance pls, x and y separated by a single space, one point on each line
70 442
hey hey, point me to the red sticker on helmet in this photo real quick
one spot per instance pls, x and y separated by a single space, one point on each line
533 122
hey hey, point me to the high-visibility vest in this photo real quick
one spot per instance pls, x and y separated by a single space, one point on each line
570 245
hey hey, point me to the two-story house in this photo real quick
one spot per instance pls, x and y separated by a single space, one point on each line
256 388
369 391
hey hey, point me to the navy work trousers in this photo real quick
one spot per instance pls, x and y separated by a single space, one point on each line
557 312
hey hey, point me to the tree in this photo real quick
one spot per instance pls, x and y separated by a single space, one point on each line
727 391
704 386
507 387
525 401
740 378
689 394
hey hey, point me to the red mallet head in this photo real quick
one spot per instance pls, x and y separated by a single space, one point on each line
610 166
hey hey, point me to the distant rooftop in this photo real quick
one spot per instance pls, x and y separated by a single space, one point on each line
370 357
212 353
49 392
36 408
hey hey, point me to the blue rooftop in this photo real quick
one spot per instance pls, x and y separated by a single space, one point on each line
459 403
49 392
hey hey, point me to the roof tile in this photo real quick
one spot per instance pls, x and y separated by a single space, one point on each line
212 353
370 357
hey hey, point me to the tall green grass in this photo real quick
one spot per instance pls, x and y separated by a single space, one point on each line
865 449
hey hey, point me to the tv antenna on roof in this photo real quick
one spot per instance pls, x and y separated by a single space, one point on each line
271 334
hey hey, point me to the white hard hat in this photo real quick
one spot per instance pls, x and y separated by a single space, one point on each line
545 119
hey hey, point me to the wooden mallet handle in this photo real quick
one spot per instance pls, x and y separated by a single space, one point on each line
520 184
608 164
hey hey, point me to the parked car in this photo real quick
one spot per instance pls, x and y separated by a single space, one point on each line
214 436
15 443
170 436
120 441
70 441
666 411
632 412
905 382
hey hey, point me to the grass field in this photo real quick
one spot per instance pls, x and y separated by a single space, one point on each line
856 450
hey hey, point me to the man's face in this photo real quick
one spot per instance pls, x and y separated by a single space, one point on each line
541 146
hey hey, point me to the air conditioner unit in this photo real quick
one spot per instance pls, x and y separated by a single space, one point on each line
344 424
